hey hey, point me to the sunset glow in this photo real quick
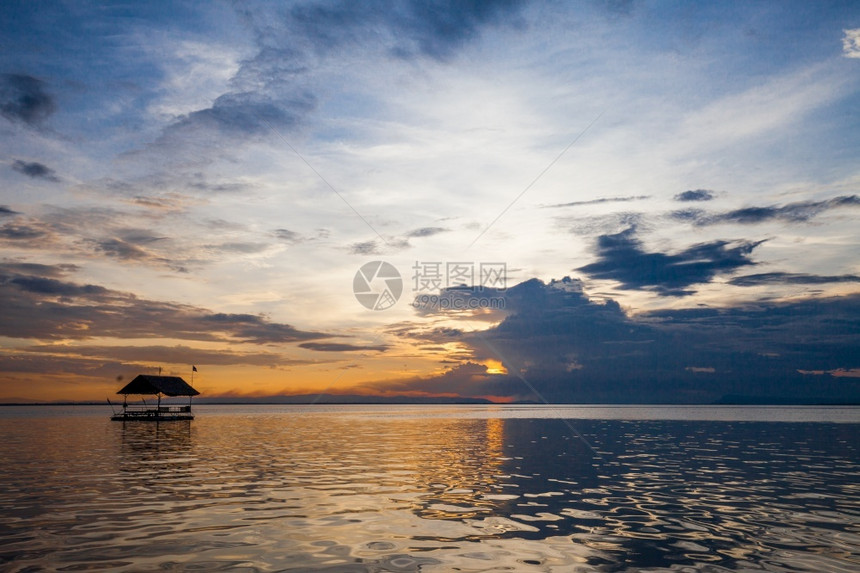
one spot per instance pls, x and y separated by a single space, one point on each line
606 201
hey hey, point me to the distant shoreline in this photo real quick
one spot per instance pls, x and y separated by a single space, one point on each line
329 400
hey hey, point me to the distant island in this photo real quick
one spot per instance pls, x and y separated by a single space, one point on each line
341 399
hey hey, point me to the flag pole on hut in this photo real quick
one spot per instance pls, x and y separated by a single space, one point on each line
193 370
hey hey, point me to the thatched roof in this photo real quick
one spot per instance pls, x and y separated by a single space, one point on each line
167 385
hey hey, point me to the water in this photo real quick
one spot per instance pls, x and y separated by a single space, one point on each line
422 488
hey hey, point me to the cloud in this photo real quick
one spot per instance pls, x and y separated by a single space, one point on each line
37 305
364 248
122 250
393 243
770 104
568 348
170 202
35 170
23 98
258 329
288 236
470 379
100 368
38 270
244 248
340 347
436 28
24 235
701 369
272 89
478 302
695 195
837 372
599 201
177 354
247 114
798 212
49 286
778 278
129 249
851 43
689 215
99 232
295 238
601 224
426 231
622 258
5 211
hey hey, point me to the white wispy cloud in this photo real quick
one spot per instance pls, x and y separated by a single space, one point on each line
771 105
851 43
196 73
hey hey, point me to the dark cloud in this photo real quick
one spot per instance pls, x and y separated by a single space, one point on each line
35 170
178 354
7 212
139 236
23 233
42 285
73 230
42 307
438 29
169 203
778 278
364 248
77 221
44 365
393 243
427 231
340 347
200 184
469 379
798 212
430 28
477 302
38 270
622 258
258 329
133 245
238 247
23 98
248 114
568 348
689 215
599 201
273 89
295 238
695 195
122 250
288 236
397 243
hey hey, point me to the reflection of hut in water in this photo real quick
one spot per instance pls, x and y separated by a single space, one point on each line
148 385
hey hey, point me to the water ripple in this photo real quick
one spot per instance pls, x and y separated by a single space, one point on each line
330 492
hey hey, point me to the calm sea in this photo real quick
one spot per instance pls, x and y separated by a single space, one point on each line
432 488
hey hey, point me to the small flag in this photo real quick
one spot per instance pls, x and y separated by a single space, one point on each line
194 369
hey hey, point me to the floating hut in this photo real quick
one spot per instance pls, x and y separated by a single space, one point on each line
147 385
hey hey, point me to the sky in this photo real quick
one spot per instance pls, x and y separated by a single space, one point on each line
596 201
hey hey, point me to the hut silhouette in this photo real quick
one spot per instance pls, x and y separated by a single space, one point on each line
150 385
